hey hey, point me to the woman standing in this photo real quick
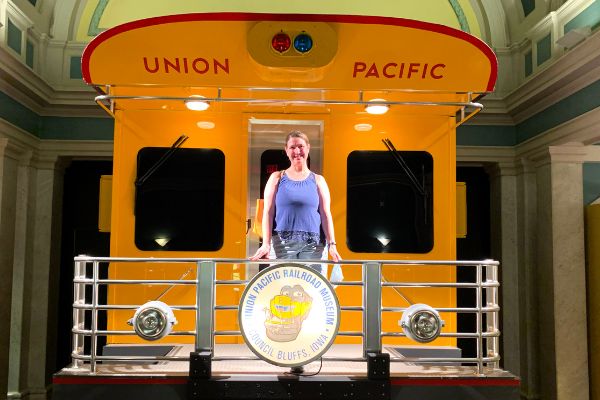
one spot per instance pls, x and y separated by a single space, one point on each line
299 202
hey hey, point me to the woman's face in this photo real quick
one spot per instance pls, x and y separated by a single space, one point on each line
297 151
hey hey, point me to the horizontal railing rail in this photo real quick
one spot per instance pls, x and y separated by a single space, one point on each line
86 306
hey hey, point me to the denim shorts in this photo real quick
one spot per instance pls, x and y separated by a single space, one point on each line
292 249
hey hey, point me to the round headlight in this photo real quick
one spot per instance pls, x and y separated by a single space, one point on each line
154 320
421 323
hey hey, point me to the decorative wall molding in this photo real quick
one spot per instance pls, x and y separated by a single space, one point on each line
48 154
22 84
18 135
578 69
77 149
11 149
484 154
583 129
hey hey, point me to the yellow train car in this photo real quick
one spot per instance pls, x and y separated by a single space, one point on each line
200 124
257 93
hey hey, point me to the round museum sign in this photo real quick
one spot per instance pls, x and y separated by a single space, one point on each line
289 314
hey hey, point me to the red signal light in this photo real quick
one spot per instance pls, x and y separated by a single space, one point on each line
281 42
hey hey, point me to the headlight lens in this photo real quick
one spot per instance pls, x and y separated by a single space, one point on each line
154 320
421 323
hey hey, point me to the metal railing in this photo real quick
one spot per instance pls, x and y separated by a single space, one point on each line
87 284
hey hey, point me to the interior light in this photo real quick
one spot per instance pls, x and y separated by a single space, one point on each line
383 240
153 320
205 124
197 105
303 43
363 127
162 241
377 109
281 42
421 323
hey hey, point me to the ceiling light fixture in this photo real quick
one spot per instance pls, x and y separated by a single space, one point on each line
197 105
377 109
205 124
363 127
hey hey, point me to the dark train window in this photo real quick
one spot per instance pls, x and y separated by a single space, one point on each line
390 202
179 199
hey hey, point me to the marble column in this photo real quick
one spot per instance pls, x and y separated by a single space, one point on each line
21 273
528 288
30 222
504 246
563 356
41 356
10 152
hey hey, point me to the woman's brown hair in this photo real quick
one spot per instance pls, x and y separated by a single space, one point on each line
296 134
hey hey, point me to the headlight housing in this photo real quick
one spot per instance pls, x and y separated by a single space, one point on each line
421 323
153 320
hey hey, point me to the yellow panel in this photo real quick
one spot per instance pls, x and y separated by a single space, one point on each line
257 224
436 135
461 210
372 53
592 236
134 130
104 209
369 57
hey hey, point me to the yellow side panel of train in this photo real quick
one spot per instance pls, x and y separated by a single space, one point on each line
138 129
134 130
436 135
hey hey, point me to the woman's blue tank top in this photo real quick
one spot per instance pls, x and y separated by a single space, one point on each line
297 209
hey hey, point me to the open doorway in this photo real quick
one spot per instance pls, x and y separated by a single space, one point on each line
80 235
475 246
267 155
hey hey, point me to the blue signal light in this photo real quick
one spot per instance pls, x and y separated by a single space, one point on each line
303 43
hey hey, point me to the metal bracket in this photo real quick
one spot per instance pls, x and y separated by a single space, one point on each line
200 371
200 365
378 366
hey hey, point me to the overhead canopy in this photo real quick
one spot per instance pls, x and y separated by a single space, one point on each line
234 51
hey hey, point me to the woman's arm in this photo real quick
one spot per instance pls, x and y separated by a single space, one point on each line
326 219
268 214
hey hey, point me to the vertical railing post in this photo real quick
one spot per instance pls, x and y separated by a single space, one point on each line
78 314
479 345
205 303
378 363
372 308
94 336
201 357
493 343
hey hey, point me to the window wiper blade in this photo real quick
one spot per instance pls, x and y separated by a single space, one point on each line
398 157
177 144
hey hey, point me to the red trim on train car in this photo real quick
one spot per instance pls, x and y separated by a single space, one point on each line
227 16
86 380
455 382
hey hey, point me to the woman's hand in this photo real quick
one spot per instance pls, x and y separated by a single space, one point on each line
335 256
262 252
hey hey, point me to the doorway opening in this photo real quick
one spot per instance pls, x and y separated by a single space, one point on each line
266 143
